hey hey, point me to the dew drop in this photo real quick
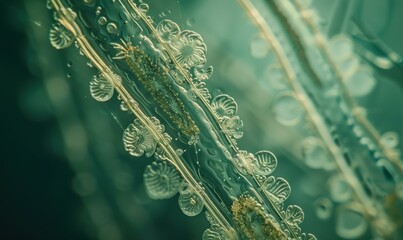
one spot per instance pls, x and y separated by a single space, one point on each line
112 28
350 223
287 110
323 208
98 10
69 64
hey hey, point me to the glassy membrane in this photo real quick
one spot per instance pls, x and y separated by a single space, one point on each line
288 127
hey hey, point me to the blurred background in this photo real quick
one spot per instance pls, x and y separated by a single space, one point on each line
64 173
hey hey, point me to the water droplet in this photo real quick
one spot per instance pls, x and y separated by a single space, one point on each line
102 21
323 208
350 223
361 83
287 110
60 37
259 47
69 64
112 28
98 10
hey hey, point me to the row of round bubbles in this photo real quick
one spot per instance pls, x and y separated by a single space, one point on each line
294 215
287 110
278 189
315 154
60 37
138 140
100 88
350 222
189 202
161 180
